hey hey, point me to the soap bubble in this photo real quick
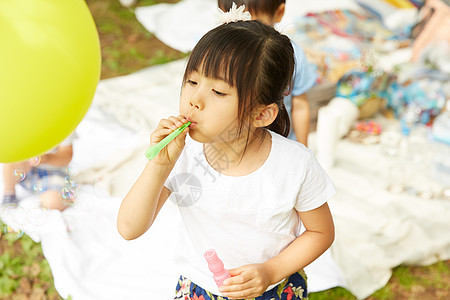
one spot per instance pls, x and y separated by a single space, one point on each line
35 161
68 195
73 170
20 174
37 187
10 233
11 214
71 183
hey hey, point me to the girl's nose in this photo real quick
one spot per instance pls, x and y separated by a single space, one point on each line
194 104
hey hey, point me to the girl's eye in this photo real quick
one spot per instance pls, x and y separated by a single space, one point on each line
219 93
191 82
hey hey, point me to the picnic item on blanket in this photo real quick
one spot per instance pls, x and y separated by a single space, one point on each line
50 68
215 265
327 136
425 97
392 16
365 132
441 127
152 151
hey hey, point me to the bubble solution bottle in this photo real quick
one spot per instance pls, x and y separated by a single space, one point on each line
215 265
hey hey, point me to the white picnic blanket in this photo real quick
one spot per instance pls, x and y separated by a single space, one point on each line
88 258
377 230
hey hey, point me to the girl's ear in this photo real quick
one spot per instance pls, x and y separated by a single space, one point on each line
279 13
265 115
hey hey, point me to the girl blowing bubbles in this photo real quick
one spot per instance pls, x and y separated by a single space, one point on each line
242 188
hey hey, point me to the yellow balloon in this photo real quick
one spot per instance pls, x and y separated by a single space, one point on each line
49 69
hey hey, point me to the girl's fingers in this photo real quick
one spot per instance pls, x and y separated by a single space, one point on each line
175 122
180 140
162 133
172 122
167 126
237 289
182 118
178 121
242 291
167 123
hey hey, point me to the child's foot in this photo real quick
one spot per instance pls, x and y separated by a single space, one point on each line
9 199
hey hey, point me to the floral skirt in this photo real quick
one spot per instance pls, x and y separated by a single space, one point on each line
293 288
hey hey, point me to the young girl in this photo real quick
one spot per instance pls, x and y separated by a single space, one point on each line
242 188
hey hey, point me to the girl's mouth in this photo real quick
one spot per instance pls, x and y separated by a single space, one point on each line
193 123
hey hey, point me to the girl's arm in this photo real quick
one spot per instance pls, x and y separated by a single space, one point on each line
252 280
317 238
144 201
60 158
301 118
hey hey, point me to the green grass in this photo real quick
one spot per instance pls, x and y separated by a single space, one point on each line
334 293
150 2
385 293
23 261
405 278
159 58
430 282
126 45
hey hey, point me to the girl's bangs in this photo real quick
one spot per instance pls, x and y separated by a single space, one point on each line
221 58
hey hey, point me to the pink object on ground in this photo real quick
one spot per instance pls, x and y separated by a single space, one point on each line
215 265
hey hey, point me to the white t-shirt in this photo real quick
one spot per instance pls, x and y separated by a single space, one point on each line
246 219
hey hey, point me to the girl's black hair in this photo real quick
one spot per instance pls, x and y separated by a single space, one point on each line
255 59
268 7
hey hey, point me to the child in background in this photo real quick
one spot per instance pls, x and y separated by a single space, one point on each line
242 188
45 175
296 103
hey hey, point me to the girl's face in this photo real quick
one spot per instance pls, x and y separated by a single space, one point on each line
212 107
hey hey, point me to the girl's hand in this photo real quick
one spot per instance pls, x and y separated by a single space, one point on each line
169 154
249 281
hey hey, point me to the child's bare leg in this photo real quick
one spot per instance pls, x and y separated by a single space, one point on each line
52 199
9 179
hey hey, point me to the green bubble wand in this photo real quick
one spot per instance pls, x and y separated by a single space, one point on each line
152 151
